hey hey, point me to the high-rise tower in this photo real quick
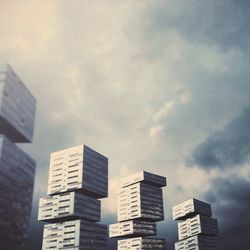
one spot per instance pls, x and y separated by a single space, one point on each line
78 178
197 230
140 206
17 169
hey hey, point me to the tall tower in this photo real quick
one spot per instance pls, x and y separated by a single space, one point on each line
197 230
78 178
17 169
140 206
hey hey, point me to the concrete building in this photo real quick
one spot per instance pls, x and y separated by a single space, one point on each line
78 177
197 225
191 207
141 243
17 169
144 177
78 168
140 205
17 107
70 206
197 242
76 234
197 230
132 228
140 201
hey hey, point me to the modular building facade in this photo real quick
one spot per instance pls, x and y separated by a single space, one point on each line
17 168
140 206
196 229
78 178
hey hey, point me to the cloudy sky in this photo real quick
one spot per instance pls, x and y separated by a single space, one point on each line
156 85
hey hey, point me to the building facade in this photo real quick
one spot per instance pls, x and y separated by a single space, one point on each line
197 230
78 178
141 243
17 169
140 206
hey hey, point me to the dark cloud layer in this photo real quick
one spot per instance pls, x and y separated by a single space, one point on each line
231 204
223 23
228 147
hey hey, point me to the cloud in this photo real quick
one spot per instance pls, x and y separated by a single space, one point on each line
223 23
155 131
230 201
228 147
163 111
143 82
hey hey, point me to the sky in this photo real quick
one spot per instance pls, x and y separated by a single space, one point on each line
161 86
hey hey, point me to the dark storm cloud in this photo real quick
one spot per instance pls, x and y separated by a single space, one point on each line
224 23
36 229
231 204
228 147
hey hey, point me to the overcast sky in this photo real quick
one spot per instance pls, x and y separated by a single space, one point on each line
161 86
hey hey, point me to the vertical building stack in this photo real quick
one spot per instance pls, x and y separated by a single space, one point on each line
140 206
78 178
197 230
17 169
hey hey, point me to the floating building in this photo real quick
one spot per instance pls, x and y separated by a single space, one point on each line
17 107
70 206
78 178
190 208
76 234
197 230
140 206
141 243
17 169
132 228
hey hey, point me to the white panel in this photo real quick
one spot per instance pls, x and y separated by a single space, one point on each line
132 228
140 200
145 177
197 225
190 208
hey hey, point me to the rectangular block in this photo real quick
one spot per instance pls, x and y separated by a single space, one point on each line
140 243
144 177
68 206
17 171
198 242
140 201
77 234
17 107
190 208
197 225
132 228
78 168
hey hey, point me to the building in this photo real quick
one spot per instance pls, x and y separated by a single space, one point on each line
198 225
17 169
78 178
78 168
140 206
132 228
140 243
71 205
190 208
76 234
17 107
197 230
140 201
197 242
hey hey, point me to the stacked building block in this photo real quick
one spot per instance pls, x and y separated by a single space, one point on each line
78 178
197 230
17 169
140 206
17 107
